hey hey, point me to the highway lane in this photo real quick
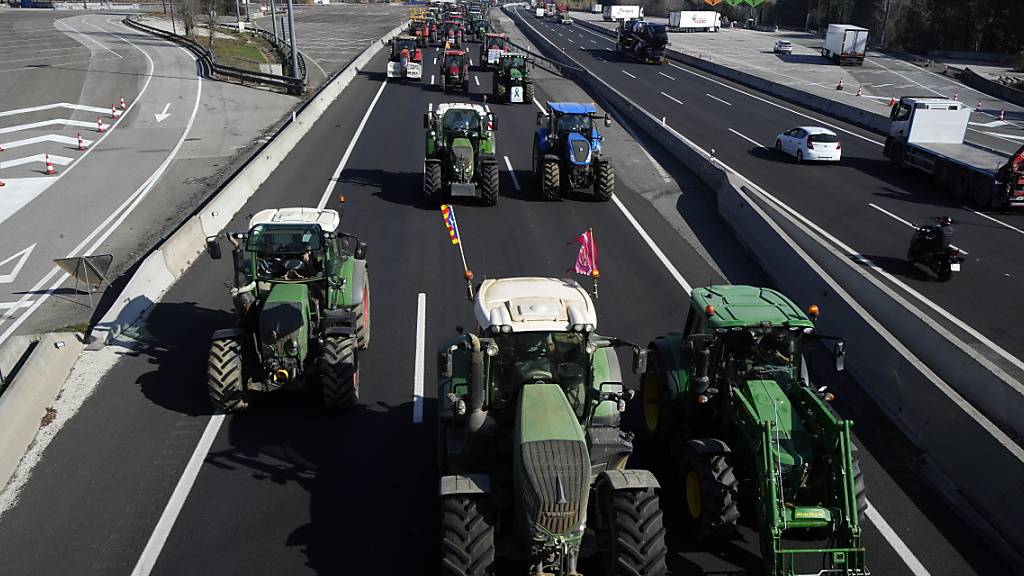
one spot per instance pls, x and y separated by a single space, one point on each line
858 201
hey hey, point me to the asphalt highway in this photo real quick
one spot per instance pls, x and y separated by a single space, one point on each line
287 489
862 202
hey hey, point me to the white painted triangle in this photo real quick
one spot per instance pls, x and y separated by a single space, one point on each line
44 123
20 258
81 107
47 138
58 160
17 192
992 124
16 305
1010 136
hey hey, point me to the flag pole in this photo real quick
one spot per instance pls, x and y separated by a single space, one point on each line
594 272
466 272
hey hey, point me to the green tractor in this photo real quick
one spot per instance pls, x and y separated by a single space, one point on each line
741 431
532 456
302 297
460 160
511 79
479 28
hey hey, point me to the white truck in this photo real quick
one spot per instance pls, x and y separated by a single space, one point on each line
611 13
928 134
694 21
596 8
539 12
845 44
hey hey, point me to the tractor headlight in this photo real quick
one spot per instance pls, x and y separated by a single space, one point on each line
577 327
492 350
506 329
495 329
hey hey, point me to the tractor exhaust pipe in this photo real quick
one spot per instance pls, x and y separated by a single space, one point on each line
479 424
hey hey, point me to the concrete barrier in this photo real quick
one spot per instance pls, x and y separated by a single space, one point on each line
904 363
170 259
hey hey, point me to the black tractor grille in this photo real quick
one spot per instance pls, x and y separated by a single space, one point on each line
556 483
580 150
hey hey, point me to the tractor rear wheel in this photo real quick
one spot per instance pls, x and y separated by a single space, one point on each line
339 372
604 180
363 320
550 184
528 93
651 390
489 183
467 537
710 489
500 93
432 181
636 546
224 376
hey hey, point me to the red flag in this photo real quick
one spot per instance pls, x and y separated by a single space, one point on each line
586 260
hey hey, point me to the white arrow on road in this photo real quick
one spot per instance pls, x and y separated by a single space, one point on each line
1001 135
21 257
163 115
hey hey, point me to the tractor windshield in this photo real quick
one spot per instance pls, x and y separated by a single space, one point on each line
513 62
461 121
580 123
497 44
544 357
409 45
761 354
453 61
285 252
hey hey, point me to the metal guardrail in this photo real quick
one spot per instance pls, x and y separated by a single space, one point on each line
209 66
284 49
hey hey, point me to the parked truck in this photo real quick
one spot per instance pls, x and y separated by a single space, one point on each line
611 13
845 44
694 21
928 134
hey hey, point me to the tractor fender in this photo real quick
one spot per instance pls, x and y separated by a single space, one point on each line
465 484
358 281
226 333
708 446
628 479
339 330
541 138
612 371
668 352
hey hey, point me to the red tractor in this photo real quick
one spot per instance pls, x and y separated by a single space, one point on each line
455 71
453 34
406 59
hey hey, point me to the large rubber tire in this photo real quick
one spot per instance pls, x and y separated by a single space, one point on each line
489 183
897 156
225 376
550 184
637 539
604 180
444 85
960 182
339 372
528 93
363 320
981 193
501 93
799 157
710 491
652 392
467 537
432 181
859 490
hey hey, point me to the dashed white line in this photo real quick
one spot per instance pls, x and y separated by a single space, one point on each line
628 74
431 78
512 173
751 140
571 40
666 76
654 247
540 107
477 80
421 341
713 97
896 542
996 220
672 98
89 38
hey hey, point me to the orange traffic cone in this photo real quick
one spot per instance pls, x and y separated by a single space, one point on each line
123 103
956 96
1002 115
978 107
892 101
99 125
50 171
81 143
840 85
860 91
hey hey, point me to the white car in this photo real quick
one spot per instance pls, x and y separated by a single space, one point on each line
566 19
810 143
783 47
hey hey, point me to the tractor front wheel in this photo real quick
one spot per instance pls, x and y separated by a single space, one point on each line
467 537
363 320
651 390
528 93
432 181
604 180
339 372
224 376
636 544
489 183
711 490
859 490
550 185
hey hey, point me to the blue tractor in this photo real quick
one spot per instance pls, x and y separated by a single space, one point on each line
567 152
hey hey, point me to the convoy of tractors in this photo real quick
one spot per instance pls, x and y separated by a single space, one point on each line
534 463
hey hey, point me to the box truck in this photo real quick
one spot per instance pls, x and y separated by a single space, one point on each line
694 21
611 13
845 44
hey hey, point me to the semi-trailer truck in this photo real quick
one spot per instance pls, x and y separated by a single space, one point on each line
845 44
610 13
928 134
694 21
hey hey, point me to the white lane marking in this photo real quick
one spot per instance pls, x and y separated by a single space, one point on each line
21 257
430 107
882 85
57 105
45 123
512 173
348 151
671 98
909 224
896 542
477 80
751 140
1008 137
779 106
435 60
15 305
163 115
87 37
713 97
540 107
570 40
421 343
628 74
431 78
909 79
118 216
158 538
666 76
996 220
654 247
593 41
992 124
36 158
57 138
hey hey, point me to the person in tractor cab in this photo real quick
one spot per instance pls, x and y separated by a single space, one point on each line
453 61
461 122
579 123
775 349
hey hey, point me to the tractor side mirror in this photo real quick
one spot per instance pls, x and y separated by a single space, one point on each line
607 121
639 360
540 118
839 355
426 120
360 251
213 247
494 122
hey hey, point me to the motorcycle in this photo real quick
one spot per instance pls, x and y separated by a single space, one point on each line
930 247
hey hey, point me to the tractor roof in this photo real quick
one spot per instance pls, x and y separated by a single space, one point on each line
405 37
572 108
750 306
454 53
442 108
328 220
534 305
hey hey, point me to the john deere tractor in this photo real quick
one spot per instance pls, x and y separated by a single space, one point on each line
511 78
460 159
532 458
302 299
742 432
567 152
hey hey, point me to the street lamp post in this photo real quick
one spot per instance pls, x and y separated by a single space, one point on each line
273 18
291 32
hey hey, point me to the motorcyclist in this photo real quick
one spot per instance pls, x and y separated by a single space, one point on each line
932 238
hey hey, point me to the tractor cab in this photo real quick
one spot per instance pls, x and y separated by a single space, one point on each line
460 152
455 71
491 49
567 151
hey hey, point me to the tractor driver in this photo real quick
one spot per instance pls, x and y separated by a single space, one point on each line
579 123
776 349
461 121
